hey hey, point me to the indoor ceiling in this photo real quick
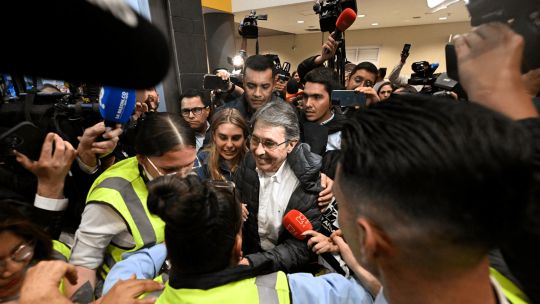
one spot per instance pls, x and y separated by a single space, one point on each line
300 18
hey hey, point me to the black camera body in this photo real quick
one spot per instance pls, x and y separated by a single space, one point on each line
525 17
329 11
248 27
423 74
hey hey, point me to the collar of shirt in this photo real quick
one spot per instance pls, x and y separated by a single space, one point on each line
329 119
203 134
277 176
499 294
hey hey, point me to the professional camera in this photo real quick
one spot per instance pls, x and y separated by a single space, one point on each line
329 11
524 17
423 73
437 84
248 27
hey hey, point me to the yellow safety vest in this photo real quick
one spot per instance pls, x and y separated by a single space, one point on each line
122 188
61 252
270 288
512 293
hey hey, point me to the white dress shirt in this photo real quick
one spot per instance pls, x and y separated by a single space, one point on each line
274 193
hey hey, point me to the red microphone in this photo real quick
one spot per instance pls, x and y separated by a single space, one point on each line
345 20
296 223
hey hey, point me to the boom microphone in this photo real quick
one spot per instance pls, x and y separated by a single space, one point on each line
297 223
116 105
100 41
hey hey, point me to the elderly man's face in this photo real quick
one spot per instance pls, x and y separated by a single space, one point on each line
269 147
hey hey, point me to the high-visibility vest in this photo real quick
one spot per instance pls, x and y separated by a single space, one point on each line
511 292
270 288
122 188
61 252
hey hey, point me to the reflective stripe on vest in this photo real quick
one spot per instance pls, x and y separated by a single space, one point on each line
512 293
61 251
122 188
271 288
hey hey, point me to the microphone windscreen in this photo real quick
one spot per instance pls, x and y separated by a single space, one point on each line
345 19
102 42
292 86
296 223
116 105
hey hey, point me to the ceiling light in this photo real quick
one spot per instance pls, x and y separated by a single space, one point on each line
360 16
375 24
437 5
443 18
300 21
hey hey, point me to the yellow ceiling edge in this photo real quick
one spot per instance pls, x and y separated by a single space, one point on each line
222 5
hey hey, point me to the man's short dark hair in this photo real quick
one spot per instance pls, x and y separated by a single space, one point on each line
368 66
260 63
452 174
324 76
190 93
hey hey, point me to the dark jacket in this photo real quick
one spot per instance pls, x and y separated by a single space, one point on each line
204 172
243 107
290 254
306 66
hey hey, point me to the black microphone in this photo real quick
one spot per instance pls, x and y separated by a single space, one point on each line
292 86
103 42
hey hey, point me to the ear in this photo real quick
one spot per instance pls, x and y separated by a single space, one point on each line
375 242
291 145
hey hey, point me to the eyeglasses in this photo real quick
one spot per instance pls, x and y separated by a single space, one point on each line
21 254
267 144
184 171
196 111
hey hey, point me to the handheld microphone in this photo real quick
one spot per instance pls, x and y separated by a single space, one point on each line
103 42
116 105
343 22
297 223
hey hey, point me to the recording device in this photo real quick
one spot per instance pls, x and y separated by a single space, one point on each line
248 27
116 105
348 98
423 73
344 21
406 49
329 10
283 71
382 73
523 18
114 45
297 223
25 137
214 82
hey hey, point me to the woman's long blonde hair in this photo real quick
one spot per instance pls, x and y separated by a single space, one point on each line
224 116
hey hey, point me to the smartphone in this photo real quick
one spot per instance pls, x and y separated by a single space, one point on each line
406 49
451 62
382 73
214 82
348 98
25 138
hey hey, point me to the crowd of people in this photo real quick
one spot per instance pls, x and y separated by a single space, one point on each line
409 199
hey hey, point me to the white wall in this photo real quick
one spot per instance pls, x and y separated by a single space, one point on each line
427 41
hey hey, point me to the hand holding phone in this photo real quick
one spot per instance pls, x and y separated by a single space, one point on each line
405 52
52 167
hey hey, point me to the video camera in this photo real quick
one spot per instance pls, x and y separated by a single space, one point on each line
437 84
248 27
523 17
329 11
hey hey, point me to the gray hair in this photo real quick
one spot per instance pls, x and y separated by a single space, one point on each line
278 114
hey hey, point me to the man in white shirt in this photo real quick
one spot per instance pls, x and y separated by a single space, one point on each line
280 174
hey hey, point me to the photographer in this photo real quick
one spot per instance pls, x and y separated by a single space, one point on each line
501 88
